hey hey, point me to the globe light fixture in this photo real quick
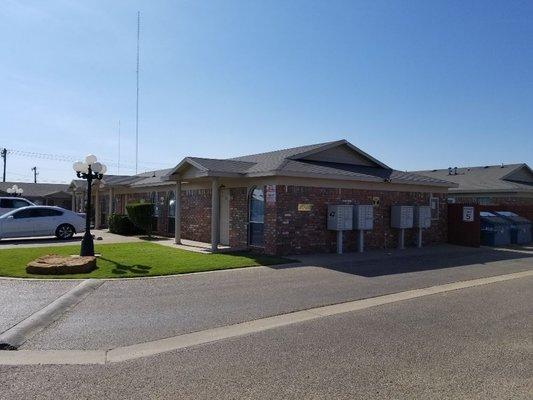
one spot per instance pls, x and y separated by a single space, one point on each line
15 190
89 170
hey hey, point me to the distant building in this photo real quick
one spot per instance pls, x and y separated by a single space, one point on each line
50 194
505 184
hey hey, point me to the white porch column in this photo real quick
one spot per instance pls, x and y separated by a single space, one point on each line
97 211
110 206
215 219
177 213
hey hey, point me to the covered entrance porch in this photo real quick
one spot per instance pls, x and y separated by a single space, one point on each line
213 206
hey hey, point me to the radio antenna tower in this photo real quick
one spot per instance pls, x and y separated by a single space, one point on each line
118 163
137 105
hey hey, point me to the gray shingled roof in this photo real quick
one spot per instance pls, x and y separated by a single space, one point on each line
37 189
151 178
287 162
274 160
491 178
223 165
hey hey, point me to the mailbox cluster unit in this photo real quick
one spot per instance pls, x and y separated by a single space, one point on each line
407 217
342 217
360 217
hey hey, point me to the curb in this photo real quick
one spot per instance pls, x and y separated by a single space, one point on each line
14 337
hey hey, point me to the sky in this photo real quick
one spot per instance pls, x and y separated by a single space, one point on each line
416 84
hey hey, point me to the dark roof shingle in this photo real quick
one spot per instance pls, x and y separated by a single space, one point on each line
482 178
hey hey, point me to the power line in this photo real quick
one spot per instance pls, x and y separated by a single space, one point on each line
67 158
71 159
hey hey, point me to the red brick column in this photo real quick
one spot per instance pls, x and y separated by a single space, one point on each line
238 218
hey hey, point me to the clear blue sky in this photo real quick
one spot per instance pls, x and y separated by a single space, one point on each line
417 84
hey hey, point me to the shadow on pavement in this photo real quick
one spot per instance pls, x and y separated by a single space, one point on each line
379 263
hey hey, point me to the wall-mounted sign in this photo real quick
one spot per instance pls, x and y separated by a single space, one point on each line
270 194
305 207
375 201
468 214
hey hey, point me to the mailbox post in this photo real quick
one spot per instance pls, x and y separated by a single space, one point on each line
363 220
422 220
340 219
401 218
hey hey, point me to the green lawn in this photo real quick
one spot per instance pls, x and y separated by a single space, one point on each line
126 260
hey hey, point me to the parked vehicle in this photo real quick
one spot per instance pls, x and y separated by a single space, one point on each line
41 221
8 204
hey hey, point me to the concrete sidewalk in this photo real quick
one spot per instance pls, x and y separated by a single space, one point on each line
104 234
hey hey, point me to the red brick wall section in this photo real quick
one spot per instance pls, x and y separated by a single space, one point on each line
289 231
196 215
238 218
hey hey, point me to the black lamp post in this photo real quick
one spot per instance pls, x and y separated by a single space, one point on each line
88 170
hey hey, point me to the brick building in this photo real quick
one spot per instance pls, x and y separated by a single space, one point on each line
276 202
49 194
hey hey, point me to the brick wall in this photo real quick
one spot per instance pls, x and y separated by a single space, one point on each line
289 231
238 218
196 215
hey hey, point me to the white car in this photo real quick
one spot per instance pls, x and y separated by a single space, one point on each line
41 221
8 204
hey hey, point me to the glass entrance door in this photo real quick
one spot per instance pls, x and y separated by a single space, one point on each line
257 217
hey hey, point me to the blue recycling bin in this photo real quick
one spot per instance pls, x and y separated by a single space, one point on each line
495 230
521 228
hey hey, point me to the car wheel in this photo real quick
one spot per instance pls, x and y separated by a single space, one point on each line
64 231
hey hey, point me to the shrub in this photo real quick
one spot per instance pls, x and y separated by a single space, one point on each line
122 225
141 214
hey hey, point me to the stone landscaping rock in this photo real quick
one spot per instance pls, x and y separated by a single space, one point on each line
53 264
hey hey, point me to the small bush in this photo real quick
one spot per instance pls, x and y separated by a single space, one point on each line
122 225
141 214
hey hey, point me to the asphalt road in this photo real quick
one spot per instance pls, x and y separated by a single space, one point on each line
128 312
21 298
475 343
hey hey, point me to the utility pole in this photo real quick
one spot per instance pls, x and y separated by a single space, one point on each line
4 156
34 169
